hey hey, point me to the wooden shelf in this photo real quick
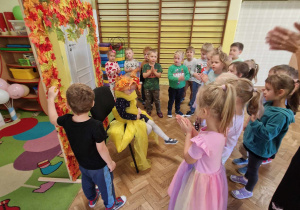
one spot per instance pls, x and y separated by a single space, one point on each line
12 36
16 51
19 66
31 96
33 101
33 106
24 81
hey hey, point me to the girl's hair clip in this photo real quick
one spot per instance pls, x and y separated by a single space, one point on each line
224 87
254 90
113 51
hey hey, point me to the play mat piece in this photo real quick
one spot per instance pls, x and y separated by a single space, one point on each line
13 179
25 124
29 160
44 187
42 144
40 130
4 205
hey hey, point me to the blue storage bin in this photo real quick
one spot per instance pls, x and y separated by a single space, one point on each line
120 62
104 59
122 73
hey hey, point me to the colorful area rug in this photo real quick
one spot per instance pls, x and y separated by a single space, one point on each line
30 149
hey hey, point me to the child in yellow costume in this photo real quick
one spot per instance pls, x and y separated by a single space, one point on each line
131 122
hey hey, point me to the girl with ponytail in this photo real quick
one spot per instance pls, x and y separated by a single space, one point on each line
245 94
262 137
200 181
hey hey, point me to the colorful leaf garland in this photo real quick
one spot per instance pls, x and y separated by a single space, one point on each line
44 16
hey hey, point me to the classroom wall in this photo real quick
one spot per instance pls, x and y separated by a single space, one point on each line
255 20
8 5
172 28
231 24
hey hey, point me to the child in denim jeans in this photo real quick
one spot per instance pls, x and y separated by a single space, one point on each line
201 67
87 139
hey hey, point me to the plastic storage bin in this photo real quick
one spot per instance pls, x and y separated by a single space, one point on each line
25 73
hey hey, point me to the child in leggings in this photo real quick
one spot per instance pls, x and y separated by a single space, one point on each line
262 137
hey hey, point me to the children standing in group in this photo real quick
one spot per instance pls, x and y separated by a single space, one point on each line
236 50
112 69
200 181
201 67
177 75
87 139
131 65
151 73
262 138
142 79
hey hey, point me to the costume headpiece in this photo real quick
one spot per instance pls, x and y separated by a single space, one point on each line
125 82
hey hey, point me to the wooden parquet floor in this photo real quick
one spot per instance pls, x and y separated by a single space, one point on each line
148 189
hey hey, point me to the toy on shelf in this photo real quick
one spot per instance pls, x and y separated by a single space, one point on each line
4 99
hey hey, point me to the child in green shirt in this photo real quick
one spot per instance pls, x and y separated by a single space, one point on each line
177 75
152 72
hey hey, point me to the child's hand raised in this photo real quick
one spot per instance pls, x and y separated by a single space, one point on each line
197 76
185 124
181 78
52 93
204 77
253 117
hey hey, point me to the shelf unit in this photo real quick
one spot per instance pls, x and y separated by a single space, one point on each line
33 101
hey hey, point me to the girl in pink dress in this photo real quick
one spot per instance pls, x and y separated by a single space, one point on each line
112 69
200 181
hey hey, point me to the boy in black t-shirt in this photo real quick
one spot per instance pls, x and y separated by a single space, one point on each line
87 139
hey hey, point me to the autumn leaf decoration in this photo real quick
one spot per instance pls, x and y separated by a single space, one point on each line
44 16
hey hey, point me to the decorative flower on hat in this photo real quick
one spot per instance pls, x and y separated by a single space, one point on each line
124 82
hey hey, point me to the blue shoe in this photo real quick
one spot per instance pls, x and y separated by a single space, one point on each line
243 170
170 114
93 202
120 201
240 161
171 141
179 113
189 113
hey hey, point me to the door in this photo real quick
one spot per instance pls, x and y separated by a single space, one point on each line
80 60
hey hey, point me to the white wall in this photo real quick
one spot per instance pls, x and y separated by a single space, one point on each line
255 20
8 5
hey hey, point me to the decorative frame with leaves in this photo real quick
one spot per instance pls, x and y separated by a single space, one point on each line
44 16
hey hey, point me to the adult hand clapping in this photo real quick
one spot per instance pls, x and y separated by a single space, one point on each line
284 39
